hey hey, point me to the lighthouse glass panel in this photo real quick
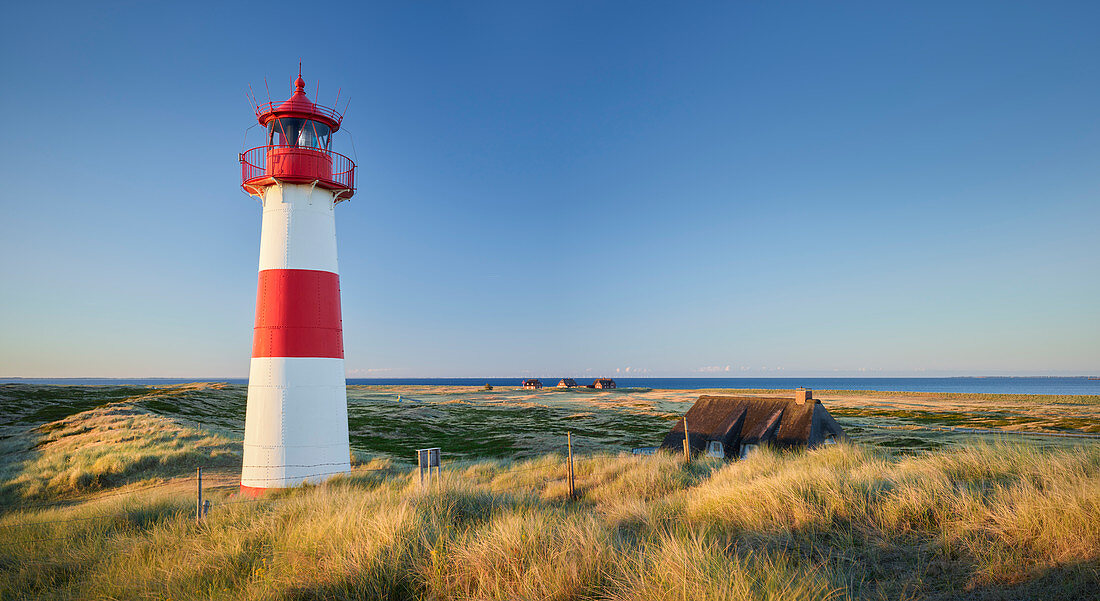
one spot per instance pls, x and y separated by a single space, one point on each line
299 133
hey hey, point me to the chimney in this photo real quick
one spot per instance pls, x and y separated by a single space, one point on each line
801 395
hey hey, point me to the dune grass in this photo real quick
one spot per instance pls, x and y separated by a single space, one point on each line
980 520
847 522
103 448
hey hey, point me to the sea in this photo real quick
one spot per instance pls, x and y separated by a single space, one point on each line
1052 385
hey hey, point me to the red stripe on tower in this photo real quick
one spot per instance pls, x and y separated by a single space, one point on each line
298 314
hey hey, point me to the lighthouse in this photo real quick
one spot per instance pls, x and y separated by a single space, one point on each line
296 425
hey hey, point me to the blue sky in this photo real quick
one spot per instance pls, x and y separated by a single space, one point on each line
681 189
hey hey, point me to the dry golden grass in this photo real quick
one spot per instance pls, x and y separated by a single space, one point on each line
977 520
836 523
106 447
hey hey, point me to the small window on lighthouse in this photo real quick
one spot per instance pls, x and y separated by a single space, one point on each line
314 135
307 138
286 131
324 135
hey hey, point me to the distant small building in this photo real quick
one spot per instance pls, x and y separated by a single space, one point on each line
732 426
604 383
533 384
567 383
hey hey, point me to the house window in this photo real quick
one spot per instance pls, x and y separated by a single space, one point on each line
714 449
830 439
747 449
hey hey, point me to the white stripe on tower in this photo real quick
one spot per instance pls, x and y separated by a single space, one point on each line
296 426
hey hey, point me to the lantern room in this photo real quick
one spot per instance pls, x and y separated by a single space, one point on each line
301 133
298 149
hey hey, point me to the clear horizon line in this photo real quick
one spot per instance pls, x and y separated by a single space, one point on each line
627 376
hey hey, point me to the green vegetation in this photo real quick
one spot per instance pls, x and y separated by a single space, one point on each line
466 421
981 397
945 517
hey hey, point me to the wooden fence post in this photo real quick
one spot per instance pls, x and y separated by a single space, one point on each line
572 485
687 445
198 506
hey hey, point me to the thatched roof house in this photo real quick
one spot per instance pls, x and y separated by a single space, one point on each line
604 383
567 383
732 426
532 383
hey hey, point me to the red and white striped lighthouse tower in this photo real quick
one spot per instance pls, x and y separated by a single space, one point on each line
296 427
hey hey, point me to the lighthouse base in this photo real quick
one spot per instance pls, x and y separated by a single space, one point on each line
252 492
296 426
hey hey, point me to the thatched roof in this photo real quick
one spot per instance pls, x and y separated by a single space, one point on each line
736 421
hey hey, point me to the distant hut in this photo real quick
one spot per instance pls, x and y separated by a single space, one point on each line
733 426
567 383
532 384
604 383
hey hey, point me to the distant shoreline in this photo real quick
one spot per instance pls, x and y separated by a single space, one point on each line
1048 385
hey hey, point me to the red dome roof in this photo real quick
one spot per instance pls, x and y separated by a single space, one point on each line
299 105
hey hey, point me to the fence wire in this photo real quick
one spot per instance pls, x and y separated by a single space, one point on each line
70 502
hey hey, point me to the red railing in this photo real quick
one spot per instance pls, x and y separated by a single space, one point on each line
264 165
269 107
